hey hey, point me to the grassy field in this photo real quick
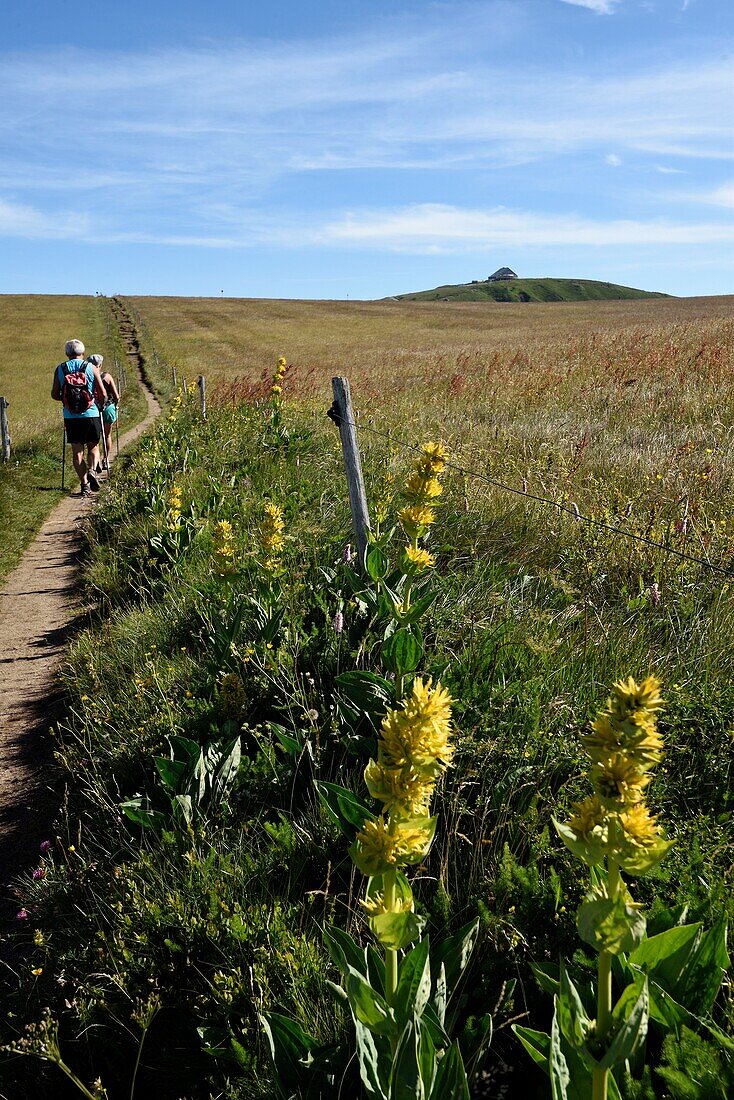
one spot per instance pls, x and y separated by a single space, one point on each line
624 407
529 290
389 343
200 906
36 327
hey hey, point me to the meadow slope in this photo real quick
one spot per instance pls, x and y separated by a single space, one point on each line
529 290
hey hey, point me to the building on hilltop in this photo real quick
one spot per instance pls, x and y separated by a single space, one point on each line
502 274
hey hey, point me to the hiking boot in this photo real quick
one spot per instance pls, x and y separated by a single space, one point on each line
93 482
85 490
105 464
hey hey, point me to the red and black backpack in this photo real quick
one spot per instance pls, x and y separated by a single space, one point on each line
75 394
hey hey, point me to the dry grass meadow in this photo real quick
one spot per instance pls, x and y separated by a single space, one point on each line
623 409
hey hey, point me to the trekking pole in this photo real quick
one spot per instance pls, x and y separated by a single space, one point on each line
104 441
63 458
117 430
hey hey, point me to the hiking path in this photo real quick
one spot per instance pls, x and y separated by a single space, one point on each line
40 604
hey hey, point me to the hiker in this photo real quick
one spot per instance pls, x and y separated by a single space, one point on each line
110 409
76 384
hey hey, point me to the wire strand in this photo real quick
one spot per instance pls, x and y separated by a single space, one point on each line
555 504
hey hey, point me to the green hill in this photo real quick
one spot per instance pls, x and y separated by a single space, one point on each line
529 290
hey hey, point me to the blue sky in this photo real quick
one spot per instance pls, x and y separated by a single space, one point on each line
326 150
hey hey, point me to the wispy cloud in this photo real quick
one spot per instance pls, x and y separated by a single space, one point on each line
191 145
429 227
20 220
434 228
601 7
720 196
246 116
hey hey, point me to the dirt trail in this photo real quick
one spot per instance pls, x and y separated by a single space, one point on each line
39 607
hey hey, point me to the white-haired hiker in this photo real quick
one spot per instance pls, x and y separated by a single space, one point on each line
111 406
76 384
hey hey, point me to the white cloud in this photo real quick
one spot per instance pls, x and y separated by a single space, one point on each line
186 145
419 229
666 171
245 115
432 227
19 220
721 196
601 7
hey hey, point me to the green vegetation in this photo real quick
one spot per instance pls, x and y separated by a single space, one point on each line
238 659
530 290
37 327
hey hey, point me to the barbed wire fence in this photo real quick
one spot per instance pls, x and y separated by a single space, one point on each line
353 421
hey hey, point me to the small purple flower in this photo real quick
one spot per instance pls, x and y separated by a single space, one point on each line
347 554
655 594
338 622
45 846
22 914
38 872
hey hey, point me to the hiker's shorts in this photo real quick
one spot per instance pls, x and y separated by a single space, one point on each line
82 429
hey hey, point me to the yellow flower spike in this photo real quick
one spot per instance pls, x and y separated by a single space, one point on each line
421 490
433 458
402 791
628 697
419 558
224 550
383 845
639 737
624 745
272 539
416 519
419 734
628 726
618 779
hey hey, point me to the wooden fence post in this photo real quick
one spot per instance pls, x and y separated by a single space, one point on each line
342 413
4 429
202 395
173 371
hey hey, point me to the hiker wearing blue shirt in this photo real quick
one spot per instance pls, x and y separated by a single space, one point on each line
77 383
110 408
